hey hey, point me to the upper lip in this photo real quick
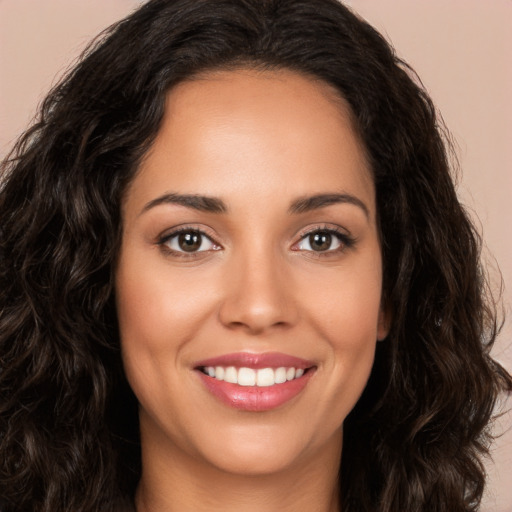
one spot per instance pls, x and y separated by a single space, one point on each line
256 361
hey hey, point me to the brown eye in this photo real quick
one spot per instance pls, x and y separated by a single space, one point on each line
320 241
189 242
323 241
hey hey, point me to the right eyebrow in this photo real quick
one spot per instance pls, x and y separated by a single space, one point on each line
307 204
194 201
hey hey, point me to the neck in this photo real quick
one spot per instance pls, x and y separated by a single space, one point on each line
174 481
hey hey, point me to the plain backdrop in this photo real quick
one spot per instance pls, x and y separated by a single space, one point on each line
462 50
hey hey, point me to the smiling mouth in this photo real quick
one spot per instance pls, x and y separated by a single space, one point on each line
255 382
262 377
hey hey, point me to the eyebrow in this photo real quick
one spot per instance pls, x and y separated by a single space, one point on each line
194 201
215 205
307 204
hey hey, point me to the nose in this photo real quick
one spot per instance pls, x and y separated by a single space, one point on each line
259 295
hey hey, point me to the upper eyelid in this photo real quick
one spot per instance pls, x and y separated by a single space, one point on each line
330 228
184 228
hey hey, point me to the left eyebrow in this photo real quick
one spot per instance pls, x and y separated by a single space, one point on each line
307 204
193 201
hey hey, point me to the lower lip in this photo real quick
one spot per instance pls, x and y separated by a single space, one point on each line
255 398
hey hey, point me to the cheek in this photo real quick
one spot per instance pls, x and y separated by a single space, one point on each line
156 306
159 311
345 312
345 305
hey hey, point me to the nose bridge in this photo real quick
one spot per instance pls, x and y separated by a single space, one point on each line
258 293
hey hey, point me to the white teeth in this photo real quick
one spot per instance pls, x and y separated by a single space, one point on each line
219 373
263 377
230 375
246 377
280 375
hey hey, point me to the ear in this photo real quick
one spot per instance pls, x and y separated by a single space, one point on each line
384 322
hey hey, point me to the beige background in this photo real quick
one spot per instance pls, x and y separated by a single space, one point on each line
462 49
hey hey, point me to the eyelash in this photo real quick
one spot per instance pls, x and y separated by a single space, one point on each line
346 241
165 239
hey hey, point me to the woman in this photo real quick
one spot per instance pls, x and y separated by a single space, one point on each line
236 275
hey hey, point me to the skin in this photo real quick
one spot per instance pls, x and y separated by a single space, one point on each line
257 141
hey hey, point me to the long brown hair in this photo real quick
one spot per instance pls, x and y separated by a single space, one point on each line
68 421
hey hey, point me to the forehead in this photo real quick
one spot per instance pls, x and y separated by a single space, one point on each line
255 133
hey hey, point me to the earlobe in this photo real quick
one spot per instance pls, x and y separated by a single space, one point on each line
384 322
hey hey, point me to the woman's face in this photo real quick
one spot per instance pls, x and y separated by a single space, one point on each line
250 252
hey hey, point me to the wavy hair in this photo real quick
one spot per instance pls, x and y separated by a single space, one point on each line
68 421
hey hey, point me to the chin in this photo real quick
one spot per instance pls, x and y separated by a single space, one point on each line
263 450
261 460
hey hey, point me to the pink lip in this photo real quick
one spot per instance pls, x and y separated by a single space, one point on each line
254 398
257 361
